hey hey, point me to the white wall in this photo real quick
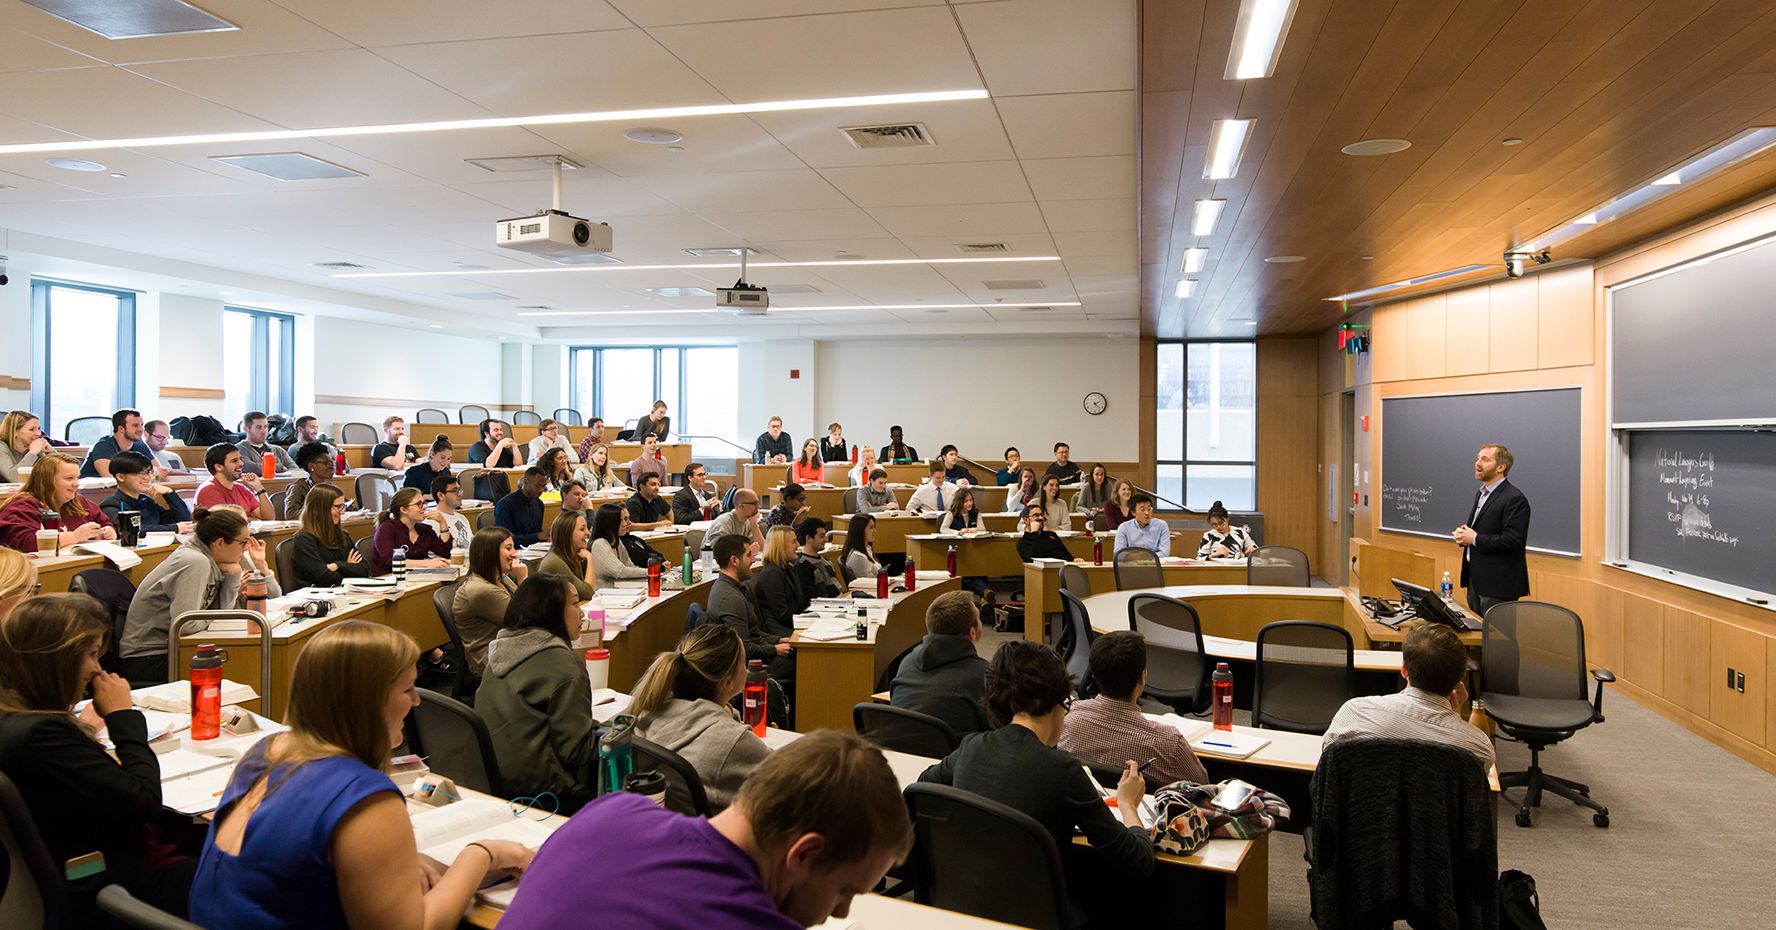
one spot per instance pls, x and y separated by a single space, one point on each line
766 389
366 371
189 354
981 393
15 321
548 379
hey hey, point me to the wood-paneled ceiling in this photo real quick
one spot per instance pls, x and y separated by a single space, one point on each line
1604 94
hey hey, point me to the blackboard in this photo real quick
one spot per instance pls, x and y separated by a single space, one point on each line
1695 343
1703 502
1427 461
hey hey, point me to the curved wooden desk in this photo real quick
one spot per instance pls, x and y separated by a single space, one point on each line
1042 585
831 677
1235 611
653 627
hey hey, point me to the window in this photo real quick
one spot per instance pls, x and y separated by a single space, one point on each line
696 382
83 359
258 363
1207 424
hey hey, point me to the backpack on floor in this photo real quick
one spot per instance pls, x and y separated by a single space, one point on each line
206 431
1519 906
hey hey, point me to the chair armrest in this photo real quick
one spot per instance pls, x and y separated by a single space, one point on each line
1602 675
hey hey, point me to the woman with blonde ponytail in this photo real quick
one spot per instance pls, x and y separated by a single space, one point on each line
681 703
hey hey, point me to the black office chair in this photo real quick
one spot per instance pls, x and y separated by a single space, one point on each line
567 416
357 434
456 744
1074 579
1278 565
114 591
490 485
430 415
849 500
119 903
904 730
1138 568
1306 670
684 787
693 616
283 558
484 519
37 885
84 431
1073 636
463 682
366 546
526 418
982 858
1177 664
1532 678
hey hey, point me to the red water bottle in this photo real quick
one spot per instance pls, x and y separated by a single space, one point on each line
206 692
753 697
1097 551
952 560
912 573
1221 696
881 583
268 466
339 466
653 579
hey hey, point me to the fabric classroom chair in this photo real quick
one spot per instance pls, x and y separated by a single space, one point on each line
84 431
456 744
462 686
358 434
1074 579
685 793
526 418
483 520
1138 568
366 546
472 413
283 560
1177 663
36 894
1306 670
1073 636
904 730
374 489
985 859
849 500
431 415
1284 566
140 915
114 591
568 416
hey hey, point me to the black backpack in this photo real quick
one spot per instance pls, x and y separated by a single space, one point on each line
282 430
1519 906
206 431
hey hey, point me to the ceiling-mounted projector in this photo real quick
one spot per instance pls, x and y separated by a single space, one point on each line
742 299
555 235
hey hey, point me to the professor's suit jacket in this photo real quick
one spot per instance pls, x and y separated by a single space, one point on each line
1496 567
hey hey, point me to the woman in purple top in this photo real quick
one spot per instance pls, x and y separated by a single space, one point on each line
404 524
330 846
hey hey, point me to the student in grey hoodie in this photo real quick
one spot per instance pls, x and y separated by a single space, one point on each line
536 698
943 676
203 573
681 703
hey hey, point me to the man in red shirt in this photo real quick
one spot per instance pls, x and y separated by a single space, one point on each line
227 484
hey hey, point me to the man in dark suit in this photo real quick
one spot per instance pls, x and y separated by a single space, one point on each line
1493 539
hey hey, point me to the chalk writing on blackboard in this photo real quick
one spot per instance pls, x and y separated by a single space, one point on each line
1408 503
1689 479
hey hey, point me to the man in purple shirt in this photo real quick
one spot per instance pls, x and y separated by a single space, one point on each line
817 824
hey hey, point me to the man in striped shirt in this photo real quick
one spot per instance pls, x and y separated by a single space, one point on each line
1435 666
1110 728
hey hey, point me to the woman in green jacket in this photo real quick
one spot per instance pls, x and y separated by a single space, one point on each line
536 698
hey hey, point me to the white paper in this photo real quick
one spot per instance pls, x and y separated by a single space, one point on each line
174 697
1185 725
1222 743
120 558
443 832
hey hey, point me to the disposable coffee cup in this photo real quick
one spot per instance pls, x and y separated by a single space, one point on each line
47 540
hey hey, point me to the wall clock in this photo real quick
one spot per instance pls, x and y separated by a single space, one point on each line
1095 403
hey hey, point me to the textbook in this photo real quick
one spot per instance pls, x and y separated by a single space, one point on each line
174 697
443 832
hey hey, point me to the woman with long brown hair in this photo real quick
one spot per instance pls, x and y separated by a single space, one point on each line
681 703
331 844
323 554
567 555
52 487
486 591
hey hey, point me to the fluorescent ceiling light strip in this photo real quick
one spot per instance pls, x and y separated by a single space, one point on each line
1185 287
1194 259
632 312
1409 282
1258 38
554 119
1204 216
1227 143
715 265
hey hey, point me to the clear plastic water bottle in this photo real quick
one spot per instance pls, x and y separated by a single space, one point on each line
595 616
398 564
1447 587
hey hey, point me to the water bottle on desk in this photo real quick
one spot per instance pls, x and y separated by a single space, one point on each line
912 571
206 692
1221 696
653 579
881 583
686 573
595 617
1447 589
339 465
398 564
268 465
753 696
952 560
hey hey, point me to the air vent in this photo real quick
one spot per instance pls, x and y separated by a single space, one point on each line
536 307
340 266
975 248
289 166
483 295
895 136
137 19
1036 309
1025 284
729 251
509 163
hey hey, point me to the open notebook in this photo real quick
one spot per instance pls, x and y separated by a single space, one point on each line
443 832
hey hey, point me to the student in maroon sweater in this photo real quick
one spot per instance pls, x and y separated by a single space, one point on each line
54 485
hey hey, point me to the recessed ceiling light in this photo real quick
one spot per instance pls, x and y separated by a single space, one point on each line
1227 142
1185 287
1204 216
1511 141
1376 147
1365 258
551 119
119 174
702 267
437 326
73 164
1193 260
1258 38
1286 259
654 136
1250 322
137 19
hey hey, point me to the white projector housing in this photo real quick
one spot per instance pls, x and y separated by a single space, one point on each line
556 236
742 299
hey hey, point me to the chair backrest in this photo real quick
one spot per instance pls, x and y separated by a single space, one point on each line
119 903
1074 579
1305 673
366 546
444 602
904 730
1278 565
34 894
693 616
527 417
430 415
684 787
277 503
284 560
112 589
85 431
849 500
374 489
694 542
472 413
1533 649
1073 638
490 485
979 857
456 743
484 519
358 434
1138 568
1177 664
568 415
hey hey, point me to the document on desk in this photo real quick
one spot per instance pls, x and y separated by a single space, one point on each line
1229 745
830 630
174 697
120 558
443 832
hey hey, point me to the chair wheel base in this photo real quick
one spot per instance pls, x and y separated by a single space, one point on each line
1601 820
1523 818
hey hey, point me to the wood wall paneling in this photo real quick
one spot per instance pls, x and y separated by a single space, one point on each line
1288 443
1564 315
1687 644
1467 328
1743 651
1769 694
1643 643
194 393
1514 325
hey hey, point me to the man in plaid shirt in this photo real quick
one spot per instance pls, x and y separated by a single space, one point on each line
1110 728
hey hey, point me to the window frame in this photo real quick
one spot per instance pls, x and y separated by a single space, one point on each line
259 388
574 355
1185 462
124 395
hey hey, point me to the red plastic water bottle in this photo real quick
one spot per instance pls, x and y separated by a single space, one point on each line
1097 551
339 466
653 579
912 576
881 584
1221 696
753 696
268 466
206 692
952 561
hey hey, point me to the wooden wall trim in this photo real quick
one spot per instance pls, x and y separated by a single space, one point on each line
194 393
353 400
11 383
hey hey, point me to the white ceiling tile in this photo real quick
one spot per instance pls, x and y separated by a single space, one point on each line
442 156
838 55
987 219
21 51
946 183
597 198
397 22
748 191
963 130
1089 178
710 144
800 224
145 176
1053 46
1103 265
1021 244
17 131
648 13
820 250
110 103
375 173
1068 125
264 27
333 85
1121 243
1089 215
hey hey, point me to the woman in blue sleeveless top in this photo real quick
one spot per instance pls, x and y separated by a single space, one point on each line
311 832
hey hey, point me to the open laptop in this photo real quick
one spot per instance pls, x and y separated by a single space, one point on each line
1429 606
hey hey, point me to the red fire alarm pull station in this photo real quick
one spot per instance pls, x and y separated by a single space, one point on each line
1365 423
795 374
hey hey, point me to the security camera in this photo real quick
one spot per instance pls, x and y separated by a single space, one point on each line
1516 262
